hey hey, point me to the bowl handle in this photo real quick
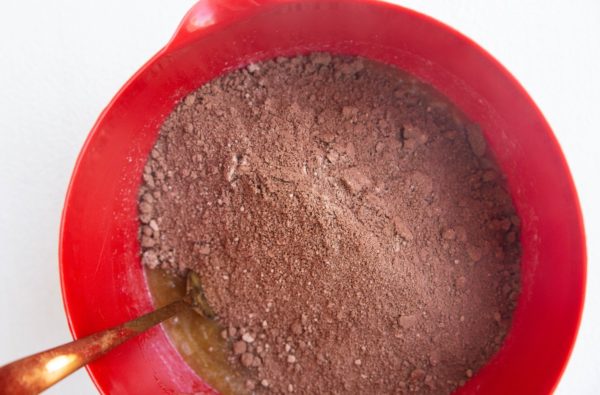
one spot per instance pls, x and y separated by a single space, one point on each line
205 15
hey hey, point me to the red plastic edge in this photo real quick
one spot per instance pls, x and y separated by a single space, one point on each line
181 37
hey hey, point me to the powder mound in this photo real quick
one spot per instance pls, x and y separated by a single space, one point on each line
351 233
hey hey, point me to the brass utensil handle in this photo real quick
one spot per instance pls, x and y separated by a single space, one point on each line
35 373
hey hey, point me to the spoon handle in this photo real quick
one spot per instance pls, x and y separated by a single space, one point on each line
35 373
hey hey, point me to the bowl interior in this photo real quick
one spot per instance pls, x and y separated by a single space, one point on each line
102 279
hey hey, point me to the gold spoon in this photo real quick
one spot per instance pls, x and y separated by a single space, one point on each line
35 373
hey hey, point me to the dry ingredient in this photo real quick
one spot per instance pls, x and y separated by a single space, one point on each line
352 233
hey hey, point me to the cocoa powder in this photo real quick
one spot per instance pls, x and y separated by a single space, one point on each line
351 231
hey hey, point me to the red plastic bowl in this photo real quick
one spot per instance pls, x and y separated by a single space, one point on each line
102 279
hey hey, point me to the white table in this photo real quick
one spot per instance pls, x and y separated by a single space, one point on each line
62 61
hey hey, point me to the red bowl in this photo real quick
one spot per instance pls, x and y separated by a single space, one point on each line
102 279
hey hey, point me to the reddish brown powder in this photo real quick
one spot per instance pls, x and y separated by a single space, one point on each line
350 230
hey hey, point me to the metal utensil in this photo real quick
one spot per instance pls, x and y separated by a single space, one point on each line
35 373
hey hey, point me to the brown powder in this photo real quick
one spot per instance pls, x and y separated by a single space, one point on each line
350 230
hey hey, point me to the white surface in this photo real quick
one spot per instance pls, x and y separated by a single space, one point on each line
62 61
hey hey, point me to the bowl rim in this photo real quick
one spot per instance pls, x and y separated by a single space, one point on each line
183 36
